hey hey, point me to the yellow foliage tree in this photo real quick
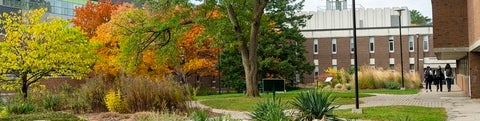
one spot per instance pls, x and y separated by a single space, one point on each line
35 49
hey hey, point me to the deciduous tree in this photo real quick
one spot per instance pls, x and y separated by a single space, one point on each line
34 49
249 23
109 52
92 15
199 57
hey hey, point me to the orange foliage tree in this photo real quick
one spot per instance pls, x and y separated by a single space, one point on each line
199 56
109 52
92 15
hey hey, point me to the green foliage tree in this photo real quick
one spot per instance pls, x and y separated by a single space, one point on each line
34 49
154 27
280 46
418 18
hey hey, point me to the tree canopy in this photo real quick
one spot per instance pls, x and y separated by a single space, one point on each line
419 19
36 48
92 15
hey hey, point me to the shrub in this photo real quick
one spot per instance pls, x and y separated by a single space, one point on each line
93 94
114 102
51 116
51 102
143 94
391 85
348 86
20 107
270 110
371 78
3 112
200 115
78 102
314 104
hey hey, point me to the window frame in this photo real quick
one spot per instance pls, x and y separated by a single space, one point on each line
371 44
425 43
411 43
391 44
315 46
334 46
352 45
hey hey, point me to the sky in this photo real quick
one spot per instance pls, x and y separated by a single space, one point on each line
424 6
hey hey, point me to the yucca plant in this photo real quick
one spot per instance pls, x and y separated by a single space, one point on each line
270 110
314 104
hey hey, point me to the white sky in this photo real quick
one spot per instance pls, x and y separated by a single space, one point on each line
424 6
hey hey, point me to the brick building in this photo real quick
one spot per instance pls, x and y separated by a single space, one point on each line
330 41
457 37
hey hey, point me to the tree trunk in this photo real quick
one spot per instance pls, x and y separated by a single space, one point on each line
250 73
24 87
248 48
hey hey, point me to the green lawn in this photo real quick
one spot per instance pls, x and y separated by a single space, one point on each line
395 113
240 102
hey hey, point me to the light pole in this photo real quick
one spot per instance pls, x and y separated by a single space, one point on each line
357 105
401 43
418 54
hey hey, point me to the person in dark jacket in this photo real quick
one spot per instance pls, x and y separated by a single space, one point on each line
438 78
428 75
449 77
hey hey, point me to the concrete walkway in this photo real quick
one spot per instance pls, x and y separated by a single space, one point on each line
458 106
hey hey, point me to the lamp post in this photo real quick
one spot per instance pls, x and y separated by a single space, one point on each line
357 105
418 54
401 43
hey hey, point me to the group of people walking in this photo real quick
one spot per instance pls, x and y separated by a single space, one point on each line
436 76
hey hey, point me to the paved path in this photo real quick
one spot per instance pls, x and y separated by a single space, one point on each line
458 106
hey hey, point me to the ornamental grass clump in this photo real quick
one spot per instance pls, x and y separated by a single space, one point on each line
270 110
378 78
314 104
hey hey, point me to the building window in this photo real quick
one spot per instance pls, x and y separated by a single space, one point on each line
372 45
372 62
392 66
412 67
390 44
391 62
352 46
334 64
411 43
352 62
315 62
315 46
316 72
334 46
425 43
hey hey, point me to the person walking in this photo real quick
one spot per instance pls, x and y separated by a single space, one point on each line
439 76
428 76
449 77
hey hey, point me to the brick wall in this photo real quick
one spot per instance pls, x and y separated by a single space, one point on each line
381 54
473 20
52 83
474 71
450 23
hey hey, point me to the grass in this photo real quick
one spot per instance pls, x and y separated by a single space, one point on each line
239 102
395 113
